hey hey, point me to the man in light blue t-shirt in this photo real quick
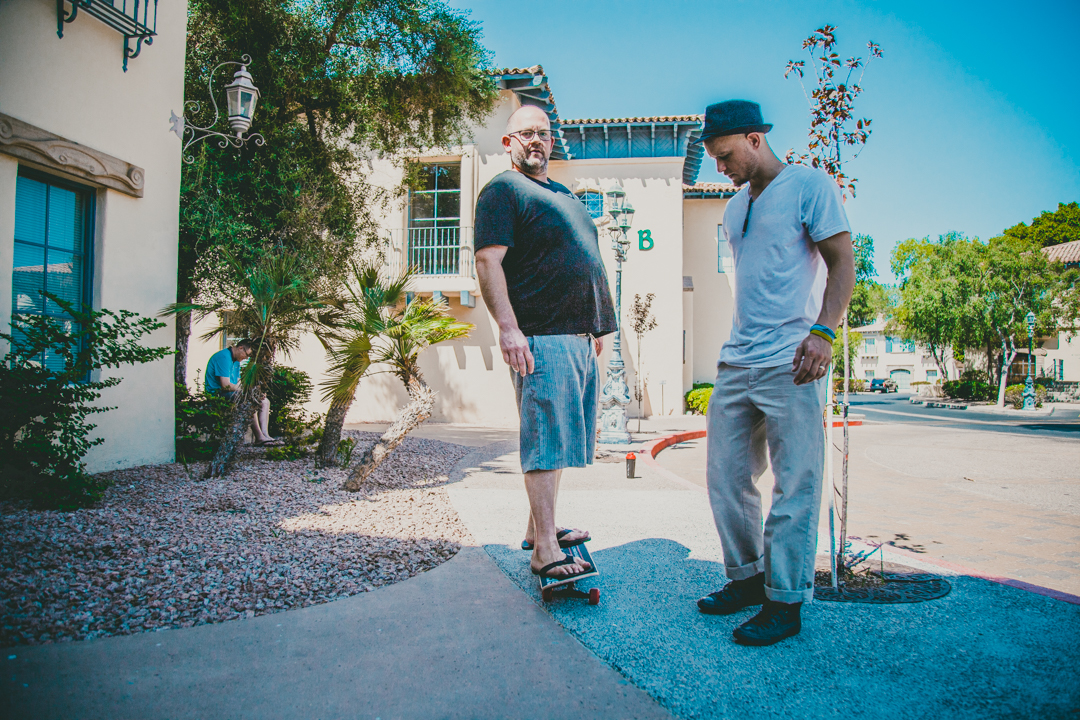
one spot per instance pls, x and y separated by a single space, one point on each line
794 273
223 378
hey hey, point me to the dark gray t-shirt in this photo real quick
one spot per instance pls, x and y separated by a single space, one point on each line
555 276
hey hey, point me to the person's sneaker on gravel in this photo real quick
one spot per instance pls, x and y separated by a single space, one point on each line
734 596
775 622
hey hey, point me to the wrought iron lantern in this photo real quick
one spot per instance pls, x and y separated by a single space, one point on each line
616 201
241 95
626 218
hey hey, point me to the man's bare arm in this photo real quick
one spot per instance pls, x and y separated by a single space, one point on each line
512 342
815 353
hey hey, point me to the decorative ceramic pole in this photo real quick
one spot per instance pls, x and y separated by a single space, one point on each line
1029 383
615 395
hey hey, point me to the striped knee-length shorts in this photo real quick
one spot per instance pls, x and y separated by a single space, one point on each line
557 403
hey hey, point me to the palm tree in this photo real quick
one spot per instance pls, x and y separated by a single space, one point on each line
369 299
402 335
276 305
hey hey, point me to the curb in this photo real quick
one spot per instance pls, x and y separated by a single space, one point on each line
652 449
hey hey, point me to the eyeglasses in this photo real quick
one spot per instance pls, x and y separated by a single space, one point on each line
528 135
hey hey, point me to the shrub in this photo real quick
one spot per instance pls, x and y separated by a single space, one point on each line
289 389
44 433
201 422
857 385
1014 395
969 390
697 399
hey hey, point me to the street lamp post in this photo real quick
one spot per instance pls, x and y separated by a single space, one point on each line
1029 383
615 395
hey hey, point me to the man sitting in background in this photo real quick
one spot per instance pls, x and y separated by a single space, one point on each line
223 378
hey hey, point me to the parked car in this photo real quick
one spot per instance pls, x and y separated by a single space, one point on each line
884 385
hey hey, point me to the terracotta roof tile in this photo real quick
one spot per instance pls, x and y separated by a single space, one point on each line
1065 252
534 70
622 121
710 188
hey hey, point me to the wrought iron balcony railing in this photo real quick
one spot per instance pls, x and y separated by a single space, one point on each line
134 19
436 252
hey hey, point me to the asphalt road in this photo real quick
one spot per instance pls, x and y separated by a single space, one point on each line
897 408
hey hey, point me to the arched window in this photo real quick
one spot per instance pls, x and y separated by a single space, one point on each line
593 201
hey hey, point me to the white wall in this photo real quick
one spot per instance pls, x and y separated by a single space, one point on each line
75 87
713 298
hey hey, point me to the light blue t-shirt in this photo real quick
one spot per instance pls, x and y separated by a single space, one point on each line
779 272
221 365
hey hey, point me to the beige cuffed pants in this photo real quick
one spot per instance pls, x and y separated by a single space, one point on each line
751 409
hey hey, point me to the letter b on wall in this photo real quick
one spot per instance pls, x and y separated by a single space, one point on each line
644 239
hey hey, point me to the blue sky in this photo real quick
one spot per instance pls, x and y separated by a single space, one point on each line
975 105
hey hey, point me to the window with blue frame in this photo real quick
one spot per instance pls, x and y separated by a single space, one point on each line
593 202
435 219
53 241
898 346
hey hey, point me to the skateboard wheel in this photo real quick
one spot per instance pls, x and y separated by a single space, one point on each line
546 594
594 596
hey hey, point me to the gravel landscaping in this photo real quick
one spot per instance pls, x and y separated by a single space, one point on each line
164 549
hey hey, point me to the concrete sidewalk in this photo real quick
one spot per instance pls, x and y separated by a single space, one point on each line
984 651
459 641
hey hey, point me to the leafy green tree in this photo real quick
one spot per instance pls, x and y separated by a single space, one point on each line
369 300
855 341
932 295
341 81
970 294
279 306
869 299
1021 279
1050 228
48 390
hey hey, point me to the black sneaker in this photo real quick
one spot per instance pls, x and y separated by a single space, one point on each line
775 622
735 596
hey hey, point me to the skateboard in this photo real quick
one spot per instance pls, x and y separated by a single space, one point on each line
551 588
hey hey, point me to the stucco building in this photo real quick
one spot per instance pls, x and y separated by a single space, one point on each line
676 253
884 356
90 185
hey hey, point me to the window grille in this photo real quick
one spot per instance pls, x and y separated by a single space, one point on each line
593 202
434 233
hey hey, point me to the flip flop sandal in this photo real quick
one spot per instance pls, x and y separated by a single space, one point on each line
567 560
526 545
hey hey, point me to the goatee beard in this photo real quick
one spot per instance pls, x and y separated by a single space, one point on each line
531 166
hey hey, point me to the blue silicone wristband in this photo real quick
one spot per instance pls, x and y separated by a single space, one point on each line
823 329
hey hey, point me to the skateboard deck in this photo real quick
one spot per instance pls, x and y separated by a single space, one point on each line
558 587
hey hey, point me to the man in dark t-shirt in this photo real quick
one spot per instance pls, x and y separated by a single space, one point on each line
542 278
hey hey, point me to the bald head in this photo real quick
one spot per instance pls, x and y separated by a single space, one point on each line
528 140
527 117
